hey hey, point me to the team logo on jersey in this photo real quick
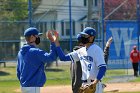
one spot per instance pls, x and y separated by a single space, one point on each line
86 58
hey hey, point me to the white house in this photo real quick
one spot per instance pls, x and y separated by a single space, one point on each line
54 14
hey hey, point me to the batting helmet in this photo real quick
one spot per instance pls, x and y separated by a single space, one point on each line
89 31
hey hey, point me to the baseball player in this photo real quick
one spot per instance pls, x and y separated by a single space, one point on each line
76 71
31 61
75 68
91 59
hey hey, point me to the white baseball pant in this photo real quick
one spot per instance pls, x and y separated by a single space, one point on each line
30 89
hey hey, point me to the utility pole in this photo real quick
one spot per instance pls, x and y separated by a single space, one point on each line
138 24
102 19
70 21
90 11
30 12
138 20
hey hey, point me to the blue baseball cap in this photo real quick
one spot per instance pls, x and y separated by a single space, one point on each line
31 31
79 37
89 31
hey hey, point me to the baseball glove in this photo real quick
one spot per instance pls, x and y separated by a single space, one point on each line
90 88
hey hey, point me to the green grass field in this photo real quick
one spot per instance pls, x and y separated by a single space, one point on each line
55 76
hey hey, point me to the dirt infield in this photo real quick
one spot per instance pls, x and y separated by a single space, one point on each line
111 87
123 87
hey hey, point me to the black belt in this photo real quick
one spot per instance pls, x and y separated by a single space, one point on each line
84 81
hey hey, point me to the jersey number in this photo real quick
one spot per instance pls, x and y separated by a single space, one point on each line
89 67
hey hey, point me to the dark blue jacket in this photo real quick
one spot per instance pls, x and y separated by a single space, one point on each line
30 67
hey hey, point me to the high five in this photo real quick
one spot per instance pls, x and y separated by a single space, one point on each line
90 56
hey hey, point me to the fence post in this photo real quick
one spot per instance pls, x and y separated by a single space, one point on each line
30 12
138 25
70 21
103 21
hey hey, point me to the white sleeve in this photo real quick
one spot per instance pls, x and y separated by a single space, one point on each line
99 58
74 56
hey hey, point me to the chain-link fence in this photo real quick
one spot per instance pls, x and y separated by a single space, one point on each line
11 38
54 15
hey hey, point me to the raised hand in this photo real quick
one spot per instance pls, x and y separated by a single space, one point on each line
109 42
52 35
49 35
56 38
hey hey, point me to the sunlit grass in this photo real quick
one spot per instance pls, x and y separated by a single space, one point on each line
55 76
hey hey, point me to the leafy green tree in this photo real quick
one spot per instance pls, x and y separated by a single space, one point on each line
15 10
11 12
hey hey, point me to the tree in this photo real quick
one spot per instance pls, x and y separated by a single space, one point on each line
126 12
12 11
15 10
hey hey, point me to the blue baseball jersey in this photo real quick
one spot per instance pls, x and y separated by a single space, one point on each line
30 67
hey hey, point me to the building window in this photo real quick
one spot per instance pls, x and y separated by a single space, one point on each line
73 22
96 2
53 25
82 27
41 27
65 27
45 26
85 2
62 28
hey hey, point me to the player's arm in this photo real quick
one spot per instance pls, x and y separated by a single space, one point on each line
53 37
61 54
100 63
106 54
73 56
47 57
106 49
100 75
18 72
